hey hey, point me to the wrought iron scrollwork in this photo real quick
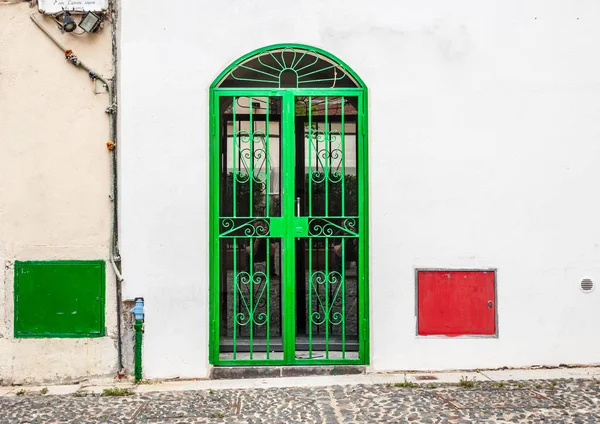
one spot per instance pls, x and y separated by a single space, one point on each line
330 157
290 67
329 227
256 282
254 158
324 313
244 227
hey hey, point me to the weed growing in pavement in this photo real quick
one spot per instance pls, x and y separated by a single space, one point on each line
431 386
405 383
145 382
498 384
465 383
117 391
520 384
211 391
552 385
217 415
44 390
21 392
79 394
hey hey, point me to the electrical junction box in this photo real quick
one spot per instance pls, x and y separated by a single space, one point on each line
50 7
456 302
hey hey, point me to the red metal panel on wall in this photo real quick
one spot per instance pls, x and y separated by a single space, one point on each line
456 303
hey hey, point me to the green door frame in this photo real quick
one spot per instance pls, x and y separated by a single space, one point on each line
288 219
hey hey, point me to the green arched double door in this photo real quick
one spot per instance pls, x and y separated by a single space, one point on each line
288 212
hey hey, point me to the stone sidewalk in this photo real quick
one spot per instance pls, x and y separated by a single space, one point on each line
564 395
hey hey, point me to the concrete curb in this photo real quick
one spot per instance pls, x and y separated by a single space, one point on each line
422 378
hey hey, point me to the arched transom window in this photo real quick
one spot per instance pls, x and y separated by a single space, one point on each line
289 67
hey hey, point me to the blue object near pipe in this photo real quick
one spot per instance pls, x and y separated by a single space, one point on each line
138 309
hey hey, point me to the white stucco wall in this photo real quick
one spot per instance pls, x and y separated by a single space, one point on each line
54 184
483 132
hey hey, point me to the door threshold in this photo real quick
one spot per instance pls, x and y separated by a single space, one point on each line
232 373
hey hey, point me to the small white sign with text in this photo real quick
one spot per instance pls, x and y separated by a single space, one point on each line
56 6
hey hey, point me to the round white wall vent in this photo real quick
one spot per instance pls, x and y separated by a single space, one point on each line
587 285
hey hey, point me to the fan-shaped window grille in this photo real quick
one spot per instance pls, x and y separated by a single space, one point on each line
289 67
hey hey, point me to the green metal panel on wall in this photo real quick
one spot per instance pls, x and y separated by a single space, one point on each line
59 299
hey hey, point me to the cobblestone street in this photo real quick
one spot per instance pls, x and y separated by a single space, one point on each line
541 401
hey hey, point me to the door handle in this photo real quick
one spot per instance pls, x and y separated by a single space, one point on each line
297 206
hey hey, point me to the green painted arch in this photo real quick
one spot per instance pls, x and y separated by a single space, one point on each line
255 53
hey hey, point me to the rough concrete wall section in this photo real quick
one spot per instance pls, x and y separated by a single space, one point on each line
128 335
54 183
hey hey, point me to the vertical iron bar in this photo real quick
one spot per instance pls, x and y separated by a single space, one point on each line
343 283
343 200
343 141
234 159
251 160
235 289
310 288
327 164
327 308
362 229
251 290
328 169
251 214
310 213
268 294
289 290
267 159
215 271
268 240
310 136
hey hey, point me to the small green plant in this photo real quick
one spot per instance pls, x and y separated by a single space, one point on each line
465 383
217 415
498 384
405 383
552 385
117 391
211 391
520 384
21 392
44 390
79 394
431 386
145 382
